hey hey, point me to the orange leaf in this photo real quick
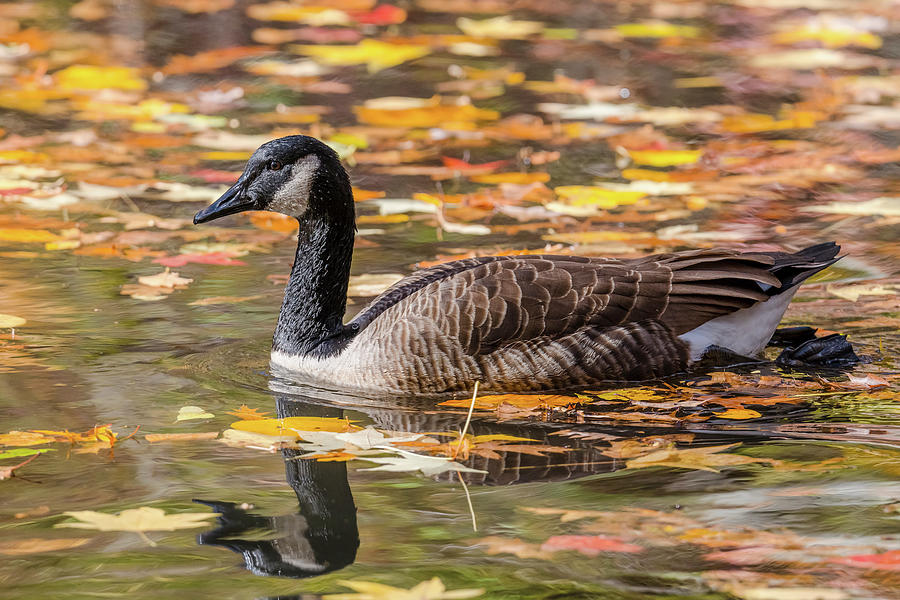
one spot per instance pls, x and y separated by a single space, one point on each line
246 413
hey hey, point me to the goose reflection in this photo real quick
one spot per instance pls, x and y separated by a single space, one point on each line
322 535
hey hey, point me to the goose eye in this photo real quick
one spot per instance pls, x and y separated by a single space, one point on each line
274 165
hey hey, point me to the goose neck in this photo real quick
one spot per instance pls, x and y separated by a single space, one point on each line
315 297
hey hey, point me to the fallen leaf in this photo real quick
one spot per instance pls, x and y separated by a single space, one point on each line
375 54
294 426
410 461
19 452
25 546
704 459
24 438
433 589
166 279
738 414
502 545
187 413
245 413
138 520
887 560
180 437
9 321
590 545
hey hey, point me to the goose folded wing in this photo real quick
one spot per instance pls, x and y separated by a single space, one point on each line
489 302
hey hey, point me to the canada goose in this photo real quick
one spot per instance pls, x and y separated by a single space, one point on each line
513 323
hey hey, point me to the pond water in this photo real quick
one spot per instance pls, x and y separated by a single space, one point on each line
766 125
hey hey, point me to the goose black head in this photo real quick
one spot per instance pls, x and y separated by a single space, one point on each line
294 175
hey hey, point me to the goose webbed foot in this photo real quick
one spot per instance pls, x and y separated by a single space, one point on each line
828 352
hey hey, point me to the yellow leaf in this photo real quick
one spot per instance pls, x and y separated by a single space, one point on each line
425 116
516 178
433 589
738 414
140 519
22 156
830 38
28 235
318 16
225 155
290 426
628 395
585 195
665 158
24 438
376 55
381 219
657 29
491 402
7 321
89 77
187 413
62 245
596 237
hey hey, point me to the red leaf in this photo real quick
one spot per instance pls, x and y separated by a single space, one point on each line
888 560
216 176
591 545
384 14
209 258
461 165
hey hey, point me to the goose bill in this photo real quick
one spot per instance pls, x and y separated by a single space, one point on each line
231 202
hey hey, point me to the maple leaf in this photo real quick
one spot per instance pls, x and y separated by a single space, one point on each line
410 461
138 520
433 589
245 413
704 459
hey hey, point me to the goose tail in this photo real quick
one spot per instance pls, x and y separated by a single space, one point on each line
747 331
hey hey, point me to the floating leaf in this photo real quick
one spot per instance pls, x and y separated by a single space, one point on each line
26 546
294 426
433 589
187 413
375 54
409 461
704 459
591 545
138 520
8 321
245 413
19 452
181 437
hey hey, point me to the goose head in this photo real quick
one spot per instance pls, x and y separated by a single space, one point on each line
296 176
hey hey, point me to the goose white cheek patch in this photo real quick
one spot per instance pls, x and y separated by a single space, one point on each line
292 198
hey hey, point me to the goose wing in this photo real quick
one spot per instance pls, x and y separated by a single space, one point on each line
489 302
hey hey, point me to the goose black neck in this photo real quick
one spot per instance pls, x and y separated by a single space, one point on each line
315 298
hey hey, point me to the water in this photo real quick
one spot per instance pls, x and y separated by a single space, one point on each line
819 483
